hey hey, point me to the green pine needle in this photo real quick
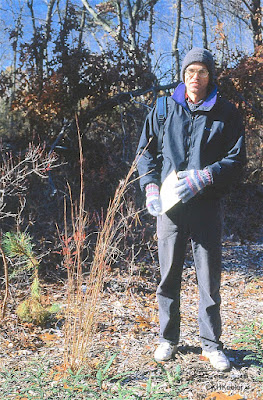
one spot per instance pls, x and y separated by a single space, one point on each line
19 245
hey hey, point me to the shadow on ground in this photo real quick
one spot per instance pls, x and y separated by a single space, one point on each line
239 358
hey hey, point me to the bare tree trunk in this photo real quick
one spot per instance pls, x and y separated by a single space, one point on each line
120 25
255 11
59 12
150 36
47 32
101 21
41 53
256 22
30 4
204 33
63 35
81 28
13 90
192 28
130 45
37 53
132 34
14 37
175 51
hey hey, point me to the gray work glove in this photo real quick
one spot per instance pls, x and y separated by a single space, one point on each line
153 202
191 182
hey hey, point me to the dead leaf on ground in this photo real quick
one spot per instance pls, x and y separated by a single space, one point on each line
223 396
203 358
48 337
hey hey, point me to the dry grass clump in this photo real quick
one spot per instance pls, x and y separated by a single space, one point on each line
81 315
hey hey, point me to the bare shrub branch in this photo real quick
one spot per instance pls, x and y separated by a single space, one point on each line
15 174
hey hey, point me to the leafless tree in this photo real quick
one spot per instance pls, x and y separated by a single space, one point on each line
129 15
41 53
81 27
203 21
248 12
255 10
14 35
175 51
251 14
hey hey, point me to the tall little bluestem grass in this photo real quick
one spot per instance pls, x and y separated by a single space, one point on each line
81 315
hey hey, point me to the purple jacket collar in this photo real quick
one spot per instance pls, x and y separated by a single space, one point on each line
179 97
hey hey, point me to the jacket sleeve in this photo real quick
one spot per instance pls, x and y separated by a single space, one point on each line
228 170
148 163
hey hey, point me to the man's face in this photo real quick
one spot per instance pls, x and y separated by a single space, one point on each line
196 79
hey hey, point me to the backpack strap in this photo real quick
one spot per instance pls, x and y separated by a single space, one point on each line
161 106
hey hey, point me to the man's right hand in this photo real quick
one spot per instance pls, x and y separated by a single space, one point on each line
153 202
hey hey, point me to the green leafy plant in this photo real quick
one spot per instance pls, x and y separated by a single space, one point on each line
172 380
39 379
18 246
104 375
251 338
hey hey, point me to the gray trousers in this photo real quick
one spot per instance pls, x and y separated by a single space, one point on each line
201 221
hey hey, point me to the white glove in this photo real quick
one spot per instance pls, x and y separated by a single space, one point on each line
153 202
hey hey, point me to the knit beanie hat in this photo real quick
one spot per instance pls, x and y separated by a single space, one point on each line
204 56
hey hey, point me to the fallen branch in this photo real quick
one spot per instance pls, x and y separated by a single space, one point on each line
125 97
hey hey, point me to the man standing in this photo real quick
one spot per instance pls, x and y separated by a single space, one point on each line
203 142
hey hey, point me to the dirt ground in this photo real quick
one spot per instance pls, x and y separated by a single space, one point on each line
129 325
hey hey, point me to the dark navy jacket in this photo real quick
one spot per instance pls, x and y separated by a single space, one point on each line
212 136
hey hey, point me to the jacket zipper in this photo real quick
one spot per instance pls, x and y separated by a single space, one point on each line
190 138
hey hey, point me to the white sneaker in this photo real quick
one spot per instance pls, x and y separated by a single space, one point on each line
218 359
165 351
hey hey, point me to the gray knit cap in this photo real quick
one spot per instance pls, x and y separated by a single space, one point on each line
204 56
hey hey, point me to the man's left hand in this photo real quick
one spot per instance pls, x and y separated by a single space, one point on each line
191 182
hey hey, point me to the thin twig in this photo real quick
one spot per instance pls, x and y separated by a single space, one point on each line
6 283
